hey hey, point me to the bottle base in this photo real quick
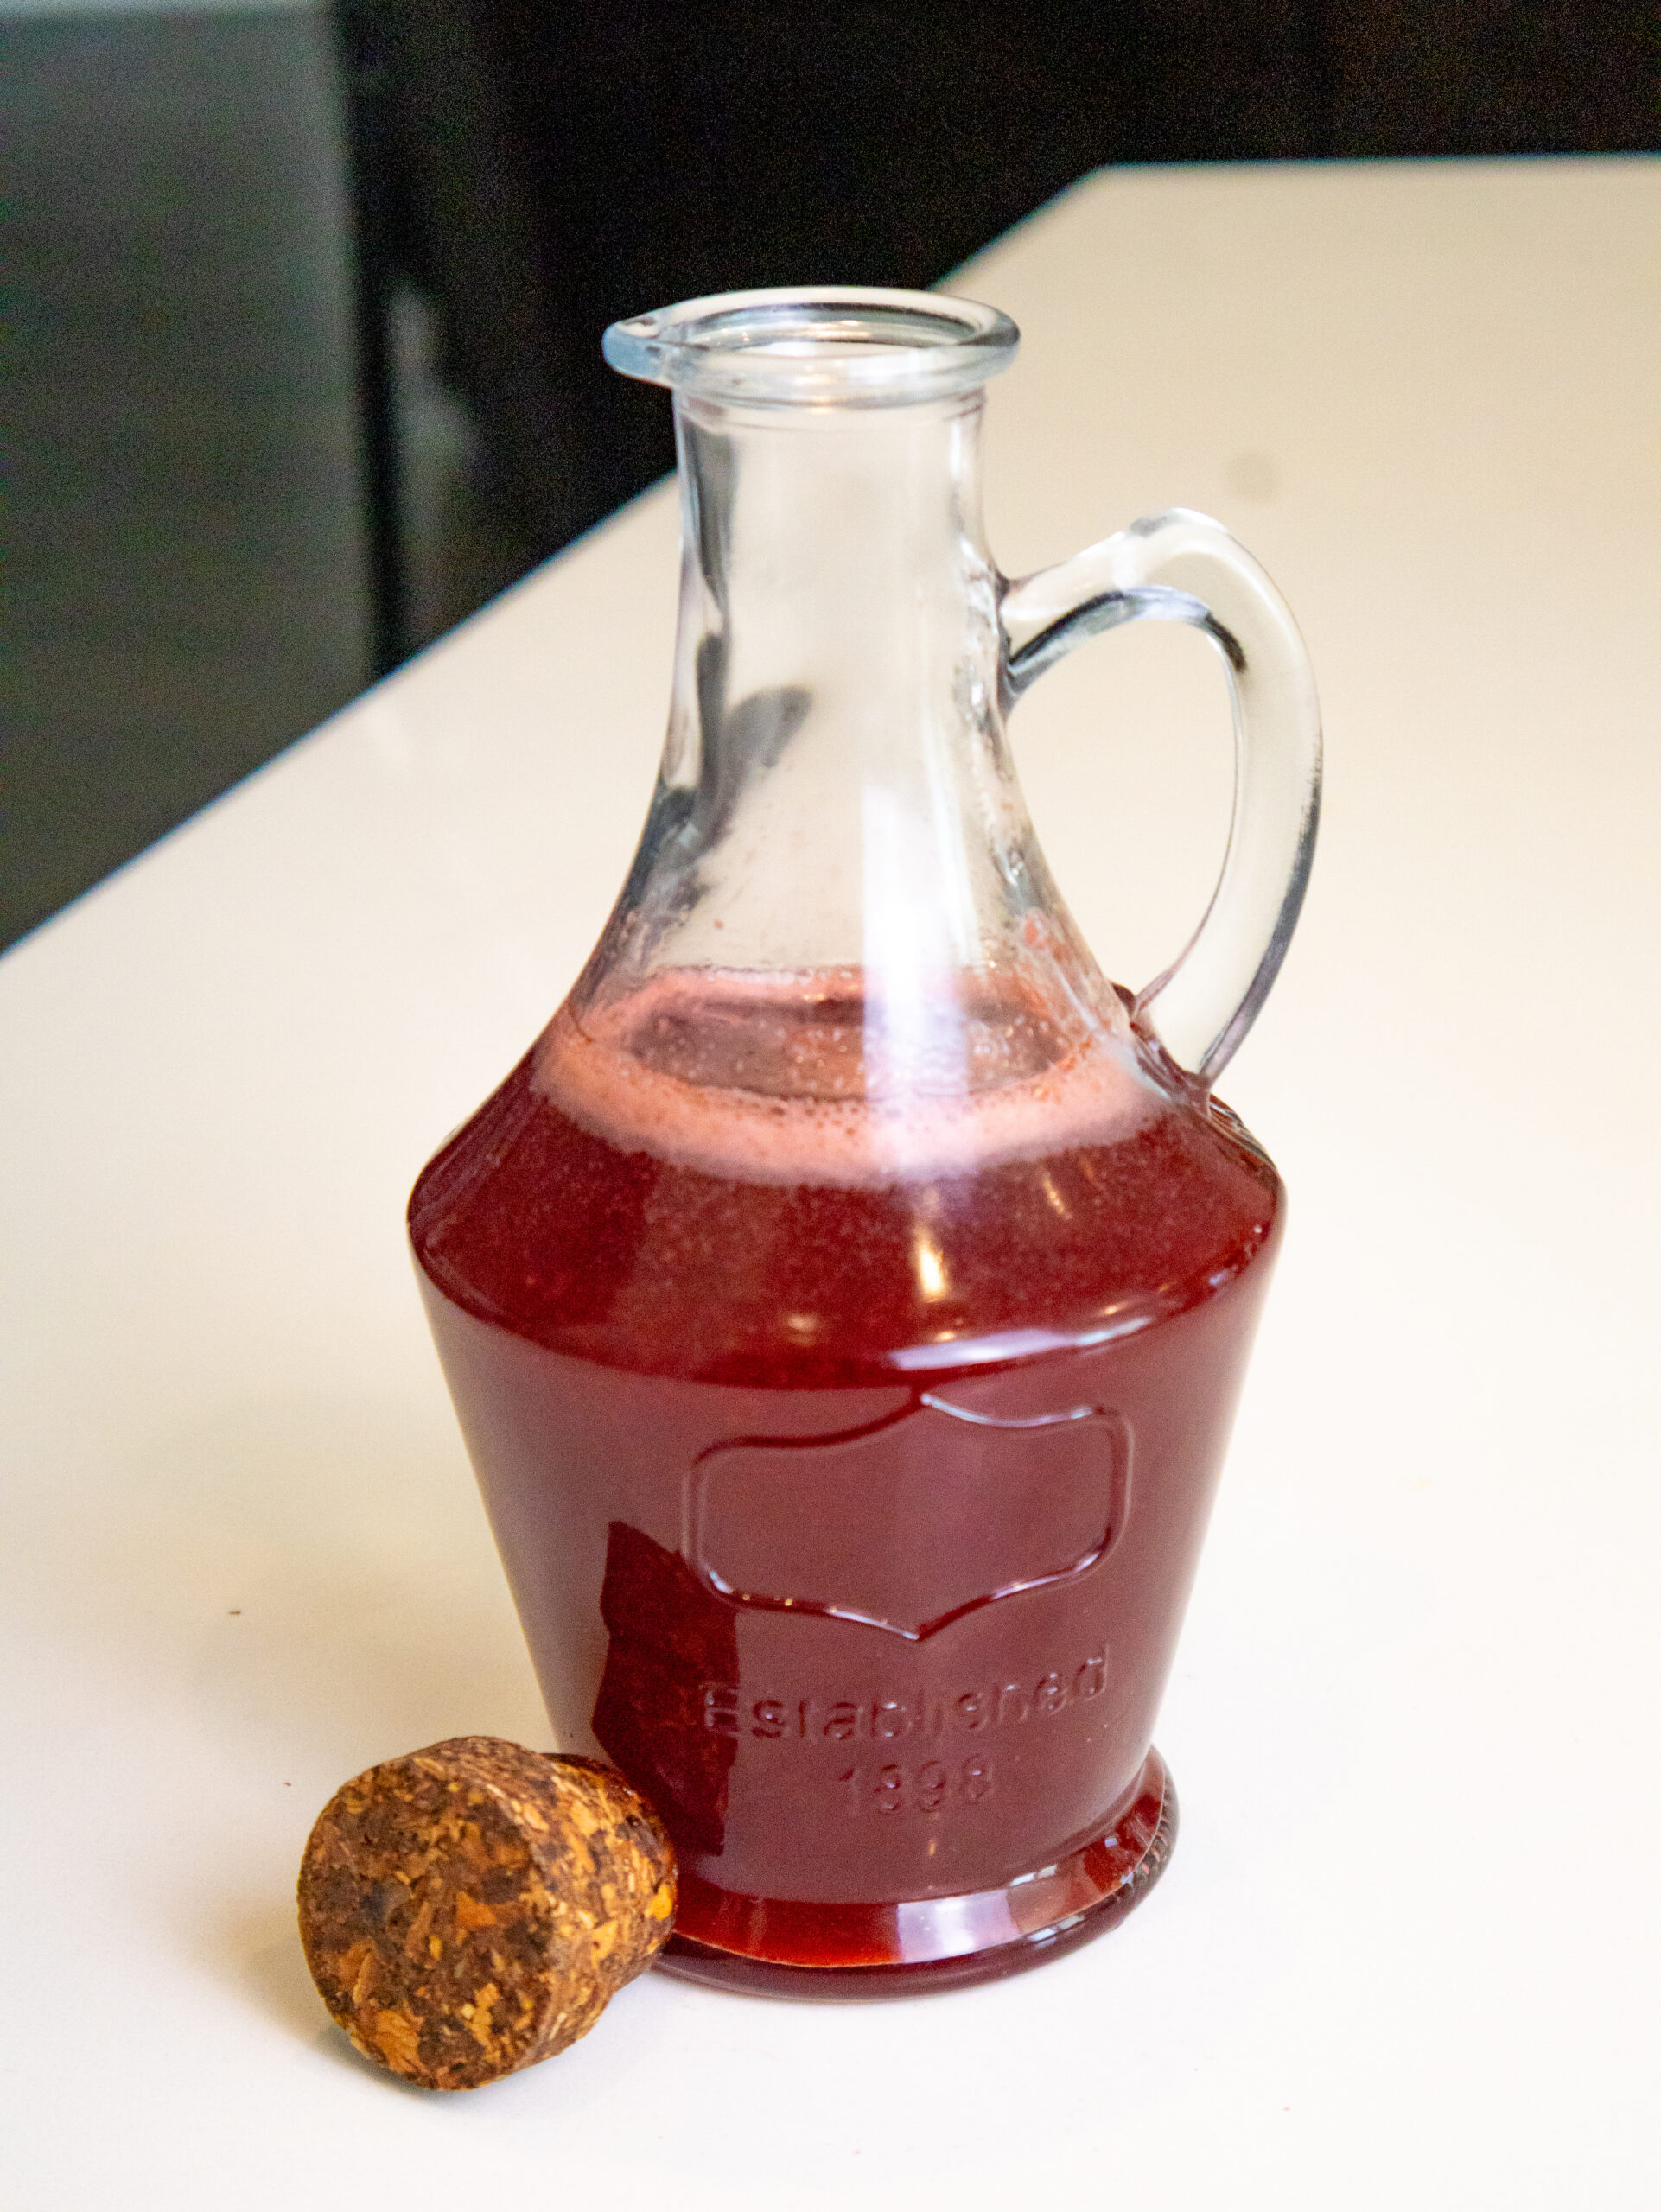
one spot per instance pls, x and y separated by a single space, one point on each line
776 1947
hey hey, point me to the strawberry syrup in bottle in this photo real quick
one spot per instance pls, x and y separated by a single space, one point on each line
852 1511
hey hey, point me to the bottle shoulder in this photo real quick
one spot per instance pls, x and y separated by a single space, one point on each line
534 1223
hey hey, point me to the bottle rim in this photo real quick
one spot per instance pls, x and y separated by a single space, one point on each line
823 345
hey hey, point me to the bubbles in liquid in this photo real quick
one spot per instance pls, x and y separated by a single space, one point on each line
808 1079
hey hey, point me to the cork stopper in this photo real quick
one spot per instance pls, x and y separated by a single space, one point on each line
473 1907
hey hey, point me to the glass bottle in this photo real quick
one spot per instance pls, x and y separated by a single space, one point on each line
846 1298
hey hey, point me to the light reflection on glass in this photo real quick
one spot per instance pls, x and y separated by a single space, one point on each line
930 1264
1058 1203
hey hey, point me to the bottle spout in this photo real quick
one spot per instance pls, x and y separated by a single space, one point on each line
830 345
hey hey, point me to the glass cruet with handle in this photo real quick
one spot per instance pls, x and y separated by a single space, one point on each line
846 1298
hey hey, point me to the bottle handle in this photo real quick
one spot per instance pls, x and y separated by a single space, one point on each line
1182 567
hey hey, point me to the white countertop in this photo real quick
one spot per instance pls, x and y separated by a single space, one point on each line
1407 1951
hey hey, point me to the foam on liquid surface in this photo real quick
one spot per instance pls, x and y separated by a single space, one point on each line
782 1079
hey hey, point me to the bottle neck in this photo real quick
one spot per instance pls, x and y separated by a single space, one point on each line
836 671
835 576
837 803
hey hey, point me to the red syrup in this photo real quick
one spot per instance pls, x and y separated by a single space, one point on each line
850 1470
